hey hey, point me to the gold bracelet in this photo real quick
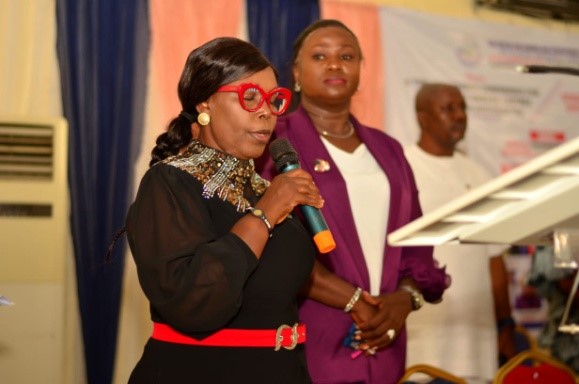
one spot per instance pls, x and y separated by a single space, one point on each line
353 300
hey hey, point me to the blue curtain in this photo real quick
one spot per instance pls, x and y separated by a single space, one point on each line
274 25
102 50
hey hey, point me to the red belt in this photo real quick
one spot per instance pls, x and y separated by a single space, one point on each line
284 336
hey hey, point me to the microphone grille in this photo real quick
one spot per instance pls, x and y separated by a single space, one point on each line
282 152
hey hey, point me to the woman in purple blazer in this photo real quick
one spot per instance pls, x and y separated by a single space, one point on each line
369 191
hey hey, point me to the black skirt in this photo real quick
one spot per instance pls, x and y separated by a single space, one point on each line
169 363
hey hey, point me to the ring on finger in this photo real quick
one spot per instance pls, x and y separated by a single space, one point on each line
391 333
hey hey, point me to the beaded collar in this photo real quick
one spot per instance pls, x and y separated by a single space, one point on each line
222 175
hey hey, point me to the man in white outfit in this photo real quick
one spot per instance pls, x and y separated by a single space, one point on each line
459 334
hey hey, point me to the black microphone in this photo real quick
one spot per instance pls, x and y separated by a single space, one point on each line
286 159
547 69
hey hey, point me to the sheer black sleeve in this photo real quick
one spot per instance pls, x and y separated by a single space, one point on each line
191 271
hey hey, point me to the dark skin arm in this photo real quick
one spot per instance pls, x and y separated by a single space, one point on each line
392 310
373 315
500 283
329 289
565 285
284 193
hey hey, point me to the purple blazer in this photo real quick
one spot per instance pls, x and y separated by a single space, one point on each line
328 360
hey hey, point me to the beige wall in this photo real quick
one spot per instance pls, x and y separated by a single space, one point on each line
465 9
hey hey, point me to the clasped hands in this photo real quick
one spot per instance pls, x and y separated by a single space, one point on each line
380 319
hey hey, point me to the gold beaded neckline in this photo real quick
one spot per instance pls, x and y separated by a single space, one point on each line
221 175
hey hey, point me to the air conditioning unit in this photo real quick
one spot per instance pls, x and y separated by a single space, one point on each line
34 238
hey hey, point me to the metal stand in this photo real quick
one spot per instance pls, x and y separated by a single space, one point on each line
564 327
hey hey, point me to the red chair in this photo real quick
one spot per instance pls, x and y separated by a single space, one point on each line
543 370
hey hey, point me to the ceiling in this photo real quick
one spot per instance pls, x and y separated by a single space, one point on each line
521 207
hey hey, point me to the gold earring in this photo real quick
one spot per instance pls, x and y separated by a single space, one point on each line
297 87
203 118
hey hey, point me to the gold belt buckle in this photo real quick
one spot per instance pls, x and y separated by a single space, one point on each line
279 337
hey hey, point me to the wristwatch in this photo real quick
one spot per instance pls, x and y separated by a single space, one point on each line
260 215
416 296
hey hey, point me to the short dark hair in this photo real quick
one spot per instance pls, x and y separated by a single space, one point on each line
427 90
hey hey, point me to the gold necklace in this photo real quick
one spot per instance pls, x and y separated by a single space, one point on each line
336 135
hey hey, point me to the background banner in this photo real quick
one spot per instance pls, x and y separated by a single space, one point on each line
512 116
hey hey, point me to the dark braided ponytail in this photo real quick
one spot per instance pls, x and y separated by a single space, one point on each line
177 136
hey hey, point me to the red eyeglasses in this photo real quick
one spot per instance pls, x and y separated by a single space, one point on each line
251 97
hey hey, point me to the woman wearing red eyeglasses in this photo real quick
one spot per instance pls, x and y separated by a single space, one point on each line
369 191
217 254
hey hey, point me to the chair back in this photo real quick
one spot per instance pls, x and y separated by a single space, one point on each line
524 340
543 369
435 375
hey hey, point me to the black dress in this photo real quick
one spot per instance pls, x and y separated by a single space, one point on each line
200 278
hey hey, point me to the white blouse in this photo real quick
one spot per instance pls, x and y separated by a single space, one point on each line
369 193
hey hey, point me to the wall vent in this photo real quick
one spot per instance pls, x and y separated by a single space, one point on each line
26 151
